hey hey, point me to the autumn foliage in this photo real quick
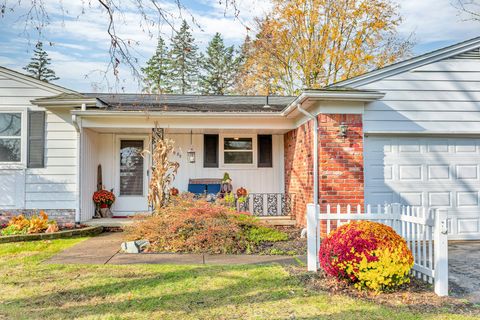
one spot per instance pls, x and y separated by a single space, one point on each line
188 225
314 43
35 224
369 254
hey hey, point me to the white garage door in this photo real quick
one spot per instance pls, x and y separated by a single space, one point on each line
426 171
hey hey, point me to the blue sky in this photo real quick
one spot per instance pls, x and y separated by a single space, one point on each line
80 44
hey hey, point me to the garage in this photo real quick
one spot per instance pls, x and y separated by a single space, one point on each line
427 171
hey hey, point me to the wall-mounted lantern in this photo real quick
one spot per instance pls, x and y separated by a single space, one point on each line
191 151
343 129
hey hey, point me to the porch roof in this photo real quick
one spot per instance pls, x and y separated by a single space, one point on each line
191 103
209 104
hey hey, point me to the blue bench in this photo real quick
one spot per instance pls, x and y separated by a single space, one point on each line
204 186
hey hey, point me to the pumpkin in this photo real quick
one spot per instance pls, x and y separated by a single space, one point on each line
241 192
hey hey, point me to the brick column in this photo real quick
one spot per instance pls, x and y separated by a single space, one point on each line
299 169
341 160
340 163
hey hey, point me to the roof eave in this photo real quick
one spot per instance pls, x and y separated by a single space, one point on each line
410 64
361 96
64 103
170 114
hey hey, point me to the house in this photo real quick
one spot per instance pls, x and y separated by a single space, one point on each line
407 133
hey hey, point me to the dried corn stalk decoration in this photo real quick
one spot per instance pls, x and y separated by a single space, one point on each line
163 170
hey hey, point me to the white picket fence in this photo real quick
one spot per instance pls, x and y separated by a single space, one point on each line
424 229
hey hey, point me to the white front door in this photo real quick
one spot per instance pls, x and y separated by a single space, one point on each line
131 175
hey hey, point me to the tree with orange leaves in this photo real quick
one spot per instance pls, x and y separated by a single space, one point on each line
314 43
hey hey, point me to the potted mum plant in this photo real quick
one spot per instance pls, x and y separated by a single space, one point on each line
104 200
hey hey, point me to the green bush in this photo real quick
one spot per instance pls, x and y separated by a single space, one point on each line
259 234
12 230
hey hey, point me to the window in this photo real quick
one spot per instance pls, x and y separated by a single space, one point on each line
237 150
265 154
131 168
210 151
10 137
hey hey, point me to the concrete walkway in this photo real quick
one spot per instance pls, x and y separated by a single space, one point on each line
104 249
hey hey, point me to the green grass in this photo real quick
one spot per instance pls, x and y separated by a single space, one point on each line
30 289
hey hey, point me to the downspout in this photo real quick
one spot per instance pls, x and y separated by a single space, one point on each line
315 152
76 120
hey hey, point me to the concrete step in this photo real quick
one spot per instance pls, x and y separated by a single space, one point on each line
279 220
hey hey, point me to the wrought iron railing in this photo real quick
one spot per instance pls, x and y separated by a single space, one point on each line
266 204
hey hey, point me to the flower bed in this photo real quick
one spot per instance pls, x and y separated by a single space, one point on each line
39 227
196 226
82 231
34 224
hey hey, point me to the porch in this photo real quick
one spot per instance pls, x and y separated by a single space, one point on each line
253 158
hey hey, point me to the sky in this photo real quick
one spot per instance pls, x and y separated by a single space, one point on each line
76 39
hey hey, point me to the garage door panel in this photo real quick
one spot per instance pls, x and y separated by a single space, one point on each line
439 199
427 171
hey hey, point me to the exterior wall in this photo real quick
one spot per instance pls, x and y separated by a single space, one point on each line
253 179
261 180
341 160
340 163
51 188
90 141
54 187
299 168
439 97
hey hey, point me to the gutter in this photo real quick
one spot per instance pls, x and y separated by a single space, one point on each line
64 103
76 121
167 114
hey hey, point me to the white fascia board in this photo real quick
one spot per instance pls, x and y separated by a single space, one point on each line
163 114
65 103
407 65
37 83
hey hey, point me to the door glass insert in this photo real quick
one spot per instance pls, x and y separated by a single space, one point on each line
131 168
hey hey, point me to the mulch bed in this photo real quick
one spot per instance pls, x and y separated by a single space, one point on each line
294 246
416 296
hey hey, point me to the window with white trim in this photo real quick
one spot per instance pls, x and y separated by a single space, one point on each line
10 137
238 150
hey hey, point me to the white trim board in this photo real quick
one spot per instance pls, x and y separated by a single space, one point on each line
406 65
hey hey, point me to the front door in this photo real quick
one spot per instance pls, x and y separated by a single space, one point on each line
131 181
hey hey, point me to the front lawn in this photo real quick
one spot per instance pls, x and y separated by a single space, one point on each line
33 290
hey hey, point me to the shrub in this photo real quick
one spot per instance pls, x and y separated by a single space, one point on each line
21 225
255 232
188 225
370 254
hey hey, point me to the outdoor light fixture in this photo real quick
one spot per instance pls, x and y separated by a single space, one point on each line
191 151
343 129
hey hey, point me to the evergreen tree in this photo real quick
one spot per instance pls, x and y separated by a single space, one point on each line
157 71
39 65
184 61
219 66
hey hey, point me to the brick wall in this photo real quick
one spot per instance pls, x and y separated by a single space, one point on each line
340 163
299 168
341 160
